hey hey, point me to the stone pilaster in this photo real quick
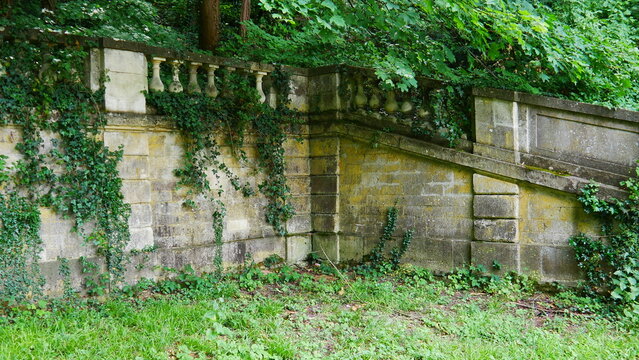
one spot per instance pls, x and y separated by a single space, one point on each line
496 224
324 152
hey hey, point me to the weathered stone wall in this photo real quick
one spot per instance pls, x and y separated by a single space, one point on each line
506 195
434 199
152 150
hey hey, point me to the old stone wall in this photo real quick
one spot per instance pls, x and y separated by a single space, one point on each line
181 236
506 195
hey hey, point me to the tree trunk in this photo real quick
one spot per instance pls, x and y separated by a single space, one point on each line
209 24
245 16
48 4
5 8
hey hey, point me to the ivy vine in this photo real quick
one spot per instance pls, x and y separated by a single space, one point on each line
611 261
204 122
64 164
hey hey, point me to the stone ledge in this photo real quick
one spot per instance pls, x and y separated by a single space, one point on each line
570 184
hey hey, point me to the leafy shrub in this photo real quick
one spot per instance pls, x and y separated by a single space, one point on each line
610 262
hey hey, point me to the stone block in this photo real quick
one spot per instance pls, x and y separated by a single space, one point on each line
323 92
136 191
496 206
328 146
559 264
530 258
324 165
325 204
324 184
124 93
495 122
297 248
122 61
487 254
461 253
127 78
140 238
326 246
434 254
298 98
299 185
237 225
299 224
140 216
297 166
294 147
487 185
134 167
301 204
351 248
325 223
134 143
496 230
235 253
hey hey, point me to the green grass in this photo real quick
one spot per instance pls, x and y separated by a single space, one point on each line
317 317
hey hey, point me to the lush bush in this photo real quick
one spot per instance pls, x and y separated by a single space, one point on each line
611 261
584 50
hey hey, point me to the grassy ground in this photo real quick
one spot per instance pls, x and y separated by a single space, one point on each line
288 315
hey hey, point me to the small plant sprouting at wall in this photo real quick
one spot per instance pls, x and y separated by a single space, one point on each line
376 262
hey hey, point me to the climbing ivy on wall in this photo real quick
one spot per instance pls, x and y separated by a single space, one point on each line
64 164
204 122
611 261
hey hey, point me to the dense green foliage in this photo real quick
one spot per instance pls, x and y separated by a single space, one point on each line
69 170
583 50
20 243
611 262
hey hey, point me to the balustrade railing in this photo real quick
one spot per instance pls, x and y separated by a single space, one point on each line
211 87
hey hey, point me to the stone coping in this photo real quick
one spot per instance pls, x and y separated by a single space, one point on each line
559 104
484 165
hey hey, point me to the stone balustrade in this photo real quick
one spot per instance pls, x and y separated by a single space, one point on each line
194 67
128 77
363 94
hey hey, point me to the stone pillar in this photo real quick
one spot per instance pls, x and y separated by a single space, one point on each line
324 152
496 224
497 125
126 74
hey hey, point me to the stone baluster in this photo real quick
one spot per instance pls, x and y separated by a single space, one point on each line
226 89
348 101
156 82
391 104
193 86
272 94
360 97
259 76
374 102
407 106
211 89
176 86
